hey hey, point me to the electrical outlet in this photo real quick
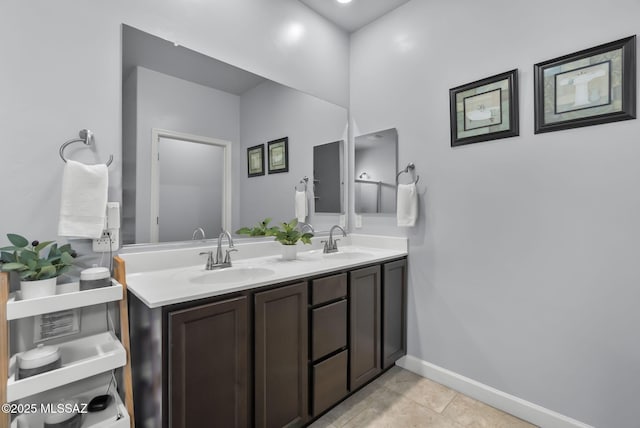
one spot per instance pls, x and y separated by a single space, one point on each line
102 244
358 221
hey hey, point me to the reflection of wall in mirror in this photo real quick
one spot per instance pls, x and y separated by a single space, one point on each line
166 102
270 111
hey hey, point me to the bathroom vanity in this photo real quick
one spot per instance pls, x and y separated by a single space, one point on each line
278 348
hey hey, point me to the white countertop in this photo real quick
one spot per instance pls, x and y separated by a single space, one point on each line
156 279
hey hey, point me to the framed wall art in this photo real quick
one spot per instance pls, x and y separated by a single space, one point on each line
485 110
255 160
278 155
590 87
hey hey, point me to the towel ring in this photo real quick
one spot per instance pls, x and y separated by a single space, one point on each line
410 167
86 137
304 180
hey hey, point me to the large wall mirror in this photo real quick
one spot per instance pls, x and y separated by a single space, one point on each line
375 167
209 104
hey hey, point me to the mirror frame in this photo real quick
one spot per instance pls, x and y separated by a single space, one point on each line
156 134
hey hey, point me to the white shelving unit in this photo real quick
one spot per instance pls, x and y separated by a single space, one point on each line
81 358
114 416
72 299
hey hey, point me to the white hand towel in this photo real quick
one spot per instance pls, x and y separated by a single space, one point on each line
407 205
83 204
301 205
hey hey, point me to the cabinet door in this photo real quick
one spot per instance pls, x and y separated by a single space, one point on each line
208 365
281 353
394 297
364 342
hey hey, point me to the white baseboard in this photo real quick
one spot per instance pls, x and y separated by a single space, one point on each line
523 409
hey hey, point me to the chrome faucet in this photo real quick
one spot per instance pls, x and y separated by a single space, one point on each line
196 231
218 262
331 246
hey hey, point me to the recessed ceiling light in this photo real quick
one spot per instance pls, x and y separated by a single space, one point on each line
344 1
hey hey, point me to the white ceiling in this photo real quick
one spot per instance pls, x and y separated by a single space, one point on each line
355 15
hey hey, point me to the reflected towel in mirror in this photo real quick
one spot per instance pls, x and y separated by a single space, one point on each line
407 205
83 204
301 205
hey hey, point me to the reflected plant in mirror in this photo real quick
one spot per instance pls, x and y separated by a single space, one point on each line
260 229
376 163
287 233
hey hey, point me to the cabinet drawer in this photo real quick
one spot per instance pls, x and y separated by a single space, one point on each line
329 288
329 382
329 331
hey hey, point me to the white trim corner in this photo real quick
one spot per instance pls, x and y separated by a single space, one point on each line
508 403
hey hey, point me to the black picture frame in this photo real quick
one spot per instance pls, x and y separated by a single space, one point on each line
278 153
561 101
255 161
485 110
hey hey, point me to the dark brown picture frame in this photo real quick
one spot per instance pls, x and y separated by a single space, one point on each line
485 110
609 94
252 154
278 154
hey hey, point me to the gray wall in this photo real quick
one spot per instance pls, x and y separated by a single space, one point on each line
524 263
63 73
271 111
173 104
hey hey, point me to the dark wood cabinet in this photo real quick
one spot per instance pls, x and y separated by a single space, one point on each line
209 365
364 326
281 357
278 356
329 382
394 321
328 366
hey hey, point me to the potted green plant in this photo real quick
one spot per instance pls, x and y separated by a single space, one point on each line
38 273
286 234
260 229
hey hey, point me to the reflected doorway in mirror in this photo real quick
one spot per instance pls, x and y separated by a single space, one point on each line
191 171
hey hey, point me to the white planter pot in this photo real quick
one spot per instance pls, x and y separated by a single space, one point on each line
289 252
40 288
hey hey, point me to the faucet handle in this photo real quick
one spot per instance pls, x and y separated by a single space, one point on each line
210 261
227 258
335 243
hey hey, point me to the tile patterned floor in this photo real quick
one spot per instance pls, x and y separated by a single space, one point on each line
401 399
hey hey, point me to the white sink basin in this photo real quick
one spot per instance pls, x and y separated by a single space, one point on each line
231 275
350 255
